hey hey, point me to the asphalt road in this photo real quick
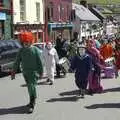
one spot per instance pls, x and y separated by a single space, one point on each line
59 101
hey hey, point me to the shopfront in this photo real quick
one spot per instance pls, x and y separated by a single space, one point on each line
64 28
36 29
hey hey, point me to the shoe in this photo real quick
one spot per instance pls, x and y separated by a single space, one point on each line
79 92
82 96
90 92
57 76
48 80
30 110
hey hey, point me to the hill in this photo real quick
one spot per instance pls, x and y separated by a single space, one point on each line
100 1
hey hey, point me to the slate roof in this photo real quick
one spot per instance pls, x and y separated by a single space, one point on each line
83 13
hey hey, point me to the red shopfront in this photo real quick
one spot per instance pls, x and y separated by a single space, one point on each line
36 29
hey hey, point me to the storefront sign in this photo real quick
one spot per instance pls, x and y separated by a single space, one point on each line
60 25
2 16
19 27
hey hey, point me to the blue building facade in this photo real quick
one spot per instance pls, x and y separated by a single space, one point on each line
5 19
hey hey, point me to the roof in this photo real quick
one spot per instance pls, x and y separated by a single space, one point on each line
98 12
83 13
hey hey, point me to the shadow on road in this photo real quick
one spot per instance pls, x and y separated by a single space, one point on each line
74 92
64 99
105 105
14 110
39 83
112 90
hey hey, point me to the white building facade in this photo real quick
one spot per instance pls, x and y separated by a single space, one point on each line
29 15
84 22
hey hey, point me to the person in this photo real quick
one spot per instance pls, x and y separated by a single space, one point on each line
81 64
72 48
29 58
117 57
94 83
61 46
62 50
106 50
51 58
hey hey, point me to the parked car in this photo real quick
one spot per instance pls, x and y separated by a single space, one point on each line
8 52
41 47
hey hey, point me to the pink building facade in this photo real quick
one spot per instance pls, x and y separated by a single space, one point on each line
59 18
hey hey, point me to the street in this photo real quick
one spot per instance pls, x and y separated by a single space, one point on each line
59 101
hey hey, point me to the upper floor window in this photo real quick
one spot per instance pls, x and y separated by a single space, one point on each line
22 10
1 2
68 16
50 11
61 11
38 11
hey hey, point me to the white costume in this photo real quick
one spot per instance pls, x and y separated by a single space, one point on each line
51 58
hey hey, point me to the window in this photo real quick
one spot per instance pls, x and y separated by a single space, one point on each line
50 11
1 2
67 12
38 11
73 16
22 10
60 11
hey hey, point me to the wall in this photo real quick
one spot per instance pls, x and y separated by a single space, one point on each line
7 22
30 11
56 9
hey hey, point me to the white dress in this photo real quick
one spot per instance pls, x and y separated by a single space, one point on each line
51 58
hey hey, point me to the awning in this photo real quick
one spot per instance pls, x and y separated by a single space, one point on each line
83 13
2 16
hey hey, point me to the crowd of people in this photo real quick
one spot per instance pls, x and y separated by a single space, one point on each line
86 57
88 60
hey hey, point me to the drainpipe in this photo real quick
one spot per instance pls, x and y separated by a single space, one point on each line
46 22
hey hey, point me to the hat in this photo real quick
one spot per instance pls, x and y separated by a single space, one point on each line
26 37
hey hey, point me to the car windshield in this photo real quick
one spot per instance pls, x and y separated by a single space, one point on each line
40 46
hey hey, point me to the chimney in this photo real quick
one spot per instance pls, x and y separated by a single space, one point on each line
83 2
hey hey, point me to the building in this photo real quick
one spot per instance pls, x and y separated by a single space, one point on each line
85 22
29 15
5 19
58 18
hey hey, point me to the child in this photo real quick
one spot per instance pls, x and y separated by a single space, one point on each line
51 58
81 64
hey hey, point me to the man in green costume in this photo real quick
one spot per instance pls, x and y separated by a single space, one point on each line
29 58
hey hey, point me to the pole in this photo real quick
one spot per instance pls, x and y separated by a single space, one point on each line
12 18
46 22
